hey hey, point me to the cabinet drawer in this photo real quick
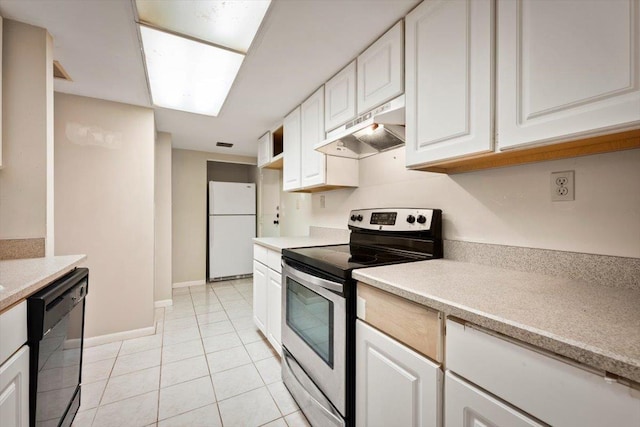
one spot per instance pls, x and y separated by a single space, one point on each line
542 385
412 324
260 253
273 261
466 405
13 330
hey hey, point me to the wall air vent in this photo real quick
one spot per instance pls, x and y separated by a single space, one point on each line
59 72
224 144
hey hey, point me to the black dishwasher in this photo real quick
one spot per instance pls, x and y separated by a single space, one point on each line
55 330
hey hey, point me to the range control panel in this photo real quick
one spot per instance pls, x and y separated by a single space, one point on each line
393 219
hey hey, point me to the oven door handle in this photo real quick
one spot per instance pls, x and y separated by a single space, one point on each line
312 280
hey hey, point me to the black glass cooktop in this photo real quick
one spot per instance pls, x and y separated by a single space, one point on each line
340 260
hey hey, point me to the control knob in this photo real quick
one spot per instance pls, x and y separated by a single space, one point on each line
353 217
421 219
411 219
359 218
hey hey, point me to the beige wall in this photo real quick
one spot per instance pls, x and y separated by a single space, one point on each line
104 195
189 213
162 290
509 206
27 117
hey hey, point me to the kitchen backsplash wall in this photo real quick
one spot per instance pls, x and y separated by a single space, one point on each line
507 206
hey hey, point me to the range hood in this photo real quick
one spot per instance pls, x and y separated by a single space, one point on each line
378 130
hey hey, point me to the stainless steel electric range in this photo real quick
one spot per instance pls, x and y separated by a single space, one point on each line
319 304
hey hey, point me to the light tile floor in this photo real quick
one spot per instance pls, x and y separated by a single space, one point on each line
207 365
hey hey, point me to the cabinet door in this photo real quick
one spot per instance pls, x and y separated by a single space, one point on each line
313 162
449 89
380 70
467 406
14 390
264 149
340 98
566 69
274 310
291 143
260 278
395 386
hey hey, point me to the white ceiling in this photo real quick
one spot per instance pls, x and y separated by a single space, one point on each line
299 46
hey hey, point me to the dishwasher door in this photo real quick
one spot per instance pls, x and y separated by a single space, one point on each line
55 329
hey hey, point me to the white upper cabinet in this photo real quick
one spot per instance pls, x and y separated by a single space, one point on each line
449 75
306 169
291 169
312 118
340 98
380 70
264 149
567 69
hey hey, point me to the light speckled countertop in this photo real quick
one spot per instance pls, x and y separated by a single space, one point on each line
20 278
280 243
593 324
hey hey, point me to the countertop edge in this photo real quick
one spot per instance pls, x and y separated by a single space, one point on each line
12 298
591 356
297 242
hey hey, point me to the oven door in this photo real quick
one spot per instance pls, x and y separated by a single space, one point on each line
314 330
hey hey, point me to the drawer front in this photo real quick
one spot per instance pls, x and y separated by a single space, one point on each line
466 405
412 324
551 390
260 253
13 330
273 260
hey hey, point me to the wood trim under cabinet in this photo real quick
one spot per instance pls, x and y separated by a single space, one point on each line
414 325
276 163
582 147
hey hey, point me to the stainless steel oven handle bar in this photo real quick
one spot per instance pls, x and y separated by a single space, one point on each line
308 279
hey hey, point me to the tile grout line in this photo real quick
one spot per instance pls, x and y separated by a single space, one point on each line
206 359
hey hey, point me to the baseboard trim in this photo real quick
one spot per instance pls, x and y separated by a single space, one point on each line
163 303
119 336
187 284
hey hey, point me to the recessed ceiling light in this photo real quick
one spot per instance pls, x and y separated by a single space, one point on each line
232 24
188 75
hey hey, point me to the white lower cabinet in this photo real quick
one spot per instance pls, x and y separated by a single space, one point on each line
14 390
539 384
260 279
395 386
14 367
267 291
468 406
274 310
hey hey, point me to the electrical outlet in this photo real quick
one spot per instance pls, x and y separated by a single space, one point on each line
322 202
562 186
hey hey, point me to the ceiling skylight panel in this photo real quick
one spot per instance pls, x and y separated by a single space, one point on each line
229 23
188 75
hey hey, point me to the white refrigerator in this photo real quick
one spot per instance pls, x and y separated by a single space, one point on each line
232 227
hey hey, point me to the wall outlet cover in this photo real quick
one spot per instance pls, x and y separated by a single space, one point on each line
562 186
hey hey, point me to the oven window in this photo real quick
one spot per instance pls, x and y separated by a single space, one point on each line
310 315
